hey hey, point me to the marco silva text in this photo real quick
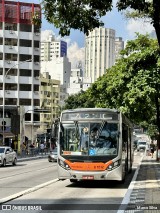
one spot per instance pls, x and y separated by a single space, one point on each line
148 207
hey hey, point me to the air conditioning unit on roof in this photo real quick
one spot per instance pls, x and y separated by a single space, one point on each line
9 62
7 91
10 47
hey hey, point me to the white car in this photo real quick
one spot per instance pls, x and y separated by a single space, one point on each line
141 145
7 156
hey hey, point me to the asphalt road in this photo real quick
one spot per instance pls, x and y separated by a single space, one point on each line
25 175
62 196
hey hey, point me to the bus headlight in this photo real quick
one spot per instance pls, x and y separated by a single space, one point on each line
114 165
63 164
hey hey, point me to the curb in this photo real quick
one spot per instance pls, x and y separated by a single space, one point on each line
31 158
126 198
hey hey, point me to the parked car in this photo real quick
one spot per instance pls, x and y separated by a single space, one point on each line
141 145
7 156
52 155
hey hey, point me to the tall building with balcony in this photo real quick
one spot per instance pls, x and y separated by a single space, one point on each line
99 52
52 48
49 99
19 60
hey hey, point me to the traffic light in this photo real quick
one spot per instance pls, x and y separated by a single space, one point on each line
3 125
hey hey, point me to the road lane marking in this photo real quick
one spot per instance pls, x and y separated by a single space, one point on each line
126 198
19 194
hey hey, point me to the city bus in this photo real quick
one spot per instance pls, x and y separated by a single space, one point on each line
94 144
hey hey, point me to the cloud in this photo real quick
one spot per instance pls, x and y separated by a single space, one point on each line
138 26
45 34
75 54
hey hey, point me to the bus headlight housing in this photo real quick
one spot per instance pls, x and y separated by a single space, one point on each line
63 164
114 165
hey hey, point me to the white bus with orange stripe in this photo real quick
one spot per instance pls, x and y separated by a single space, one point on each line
94 144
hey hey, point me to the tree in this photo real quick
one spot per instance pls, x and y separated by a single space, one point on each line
132 85
85 15
78 100
146 9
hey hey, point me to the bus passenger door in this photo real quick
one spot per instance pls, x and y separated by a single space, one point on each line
125 145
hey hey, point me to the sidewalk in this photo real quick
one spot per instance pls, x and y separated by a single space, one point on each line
145 196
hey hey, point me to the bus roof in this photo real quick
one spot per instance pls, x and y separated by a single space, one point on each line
90 109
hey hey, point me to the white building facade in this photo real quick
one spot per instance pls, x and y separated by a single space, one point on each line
59 69
20 43
99 52
78 82
119 45
52 48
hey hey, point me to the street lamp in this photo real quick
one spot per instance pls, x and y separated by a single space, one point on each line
4 77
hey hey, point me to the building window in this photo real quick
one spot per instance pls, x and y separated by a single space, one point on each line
25 43
25 87
26 102
10 101
36 102
11 87
25 28
25 72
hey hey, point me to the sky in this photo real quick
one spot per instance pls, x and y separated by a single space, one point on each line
114 20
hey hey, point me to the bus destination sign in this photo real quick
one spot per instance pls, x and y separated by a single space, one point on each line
89 115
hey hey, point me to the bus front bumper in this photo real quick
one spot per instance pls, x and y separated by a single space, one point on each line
115 174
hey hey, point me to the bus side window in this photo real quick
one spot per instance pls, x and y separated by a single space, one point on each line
124 137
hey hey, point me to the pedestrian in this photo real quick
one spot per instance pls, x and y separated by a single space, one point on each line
32 149
152 148
23 149
42 148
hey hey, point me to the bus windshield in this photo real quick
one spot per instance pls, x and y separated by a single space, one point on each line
88 138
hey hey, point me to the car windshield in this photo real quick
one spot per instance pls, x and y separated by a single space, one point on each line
141 143
2 150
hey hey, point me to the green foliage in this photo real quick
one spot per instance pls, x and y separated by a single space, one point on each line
130 86
83 15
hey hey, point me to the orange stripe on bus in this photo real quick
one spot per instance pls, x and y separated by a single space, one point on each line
88 166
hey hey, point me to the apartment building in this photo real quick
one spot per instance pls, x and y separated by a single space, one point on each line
52 48
99 52
19 60
49 99
78 82
59 69
119 45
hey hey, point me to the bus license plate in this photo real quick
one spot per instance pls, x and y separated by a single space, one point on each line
87 177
